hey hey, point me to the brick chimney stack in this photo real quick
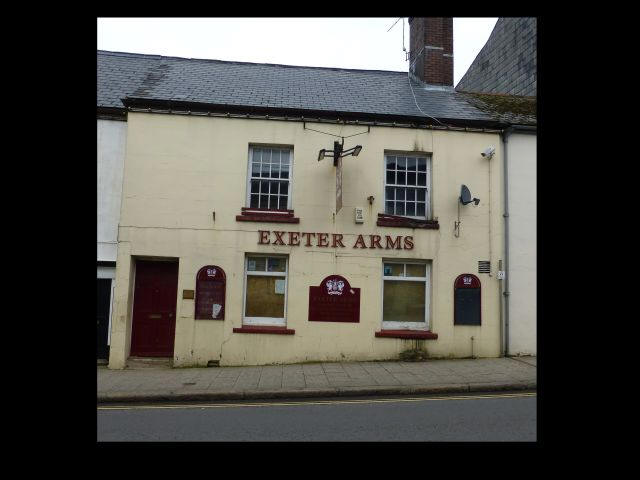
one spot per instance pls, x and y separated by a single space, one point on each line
431 49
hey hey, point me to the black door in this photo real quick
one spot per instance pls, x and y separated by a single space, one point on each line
104 301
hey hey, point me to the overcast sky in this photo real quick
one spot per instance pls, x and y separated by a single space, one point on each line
318 42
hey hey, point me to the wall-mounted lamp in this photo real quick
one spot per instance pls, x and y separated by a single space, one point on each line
371 199
338 152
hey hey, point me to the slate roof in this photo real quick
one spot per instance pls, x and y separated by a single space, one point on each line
267 86
511 109
508 61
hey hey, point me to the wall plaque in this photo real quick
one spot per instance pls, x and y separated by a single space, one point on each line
210 293
334 301
466 304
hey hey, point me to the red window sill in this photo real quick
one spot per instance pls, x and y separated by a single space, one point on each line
266 215
385 220
264 329
415 334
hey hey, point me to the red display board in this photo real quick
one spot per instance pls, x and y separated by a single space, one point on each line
211 284
334 301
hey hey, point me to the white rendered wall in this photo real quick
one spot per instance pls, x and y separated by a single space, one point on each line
521 154
112 137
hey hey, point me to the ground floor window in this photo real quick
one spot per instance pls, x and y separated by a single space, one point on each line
405 295
265 294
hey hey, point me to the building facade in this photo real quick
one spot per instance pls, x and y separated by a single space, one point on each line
242 241
502 81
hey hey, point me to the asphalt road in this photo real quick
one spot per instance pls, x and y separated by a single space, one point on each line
481 417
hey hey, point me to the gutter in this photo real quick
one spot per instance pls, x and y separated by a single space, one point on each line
505 139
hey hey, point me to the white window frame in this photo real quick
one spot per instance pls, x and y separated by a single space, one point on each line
426 325
428 187
273 321
250 172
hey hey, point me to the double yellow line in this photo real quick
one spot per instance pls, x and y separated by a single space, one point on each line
318 402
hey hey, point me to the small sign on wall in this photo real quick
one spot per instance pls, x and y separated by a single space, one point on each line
210 293
466 304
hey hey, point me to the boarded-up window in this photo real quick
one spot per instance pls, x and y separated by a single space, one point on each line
405 295
265 290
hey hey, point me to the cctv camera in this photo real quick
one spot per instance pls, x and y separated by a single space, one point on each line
488 152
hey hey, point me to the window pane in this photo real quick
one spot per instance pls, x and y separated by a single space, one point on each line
284 188
266 155
273 202
402 163
402 179
284 157
283 202
391 163
264 186
276 264
420 209
391 177
264 171
399 208
411 209
255 186
393 270
273 188
256 264
264 201
416 270
388 208
411 163
255 169
275 156
422 179
262 299
422 164
275 170
400 193
257 155
403 301
421 192
411 193
255 201
284 171
390 191
411 178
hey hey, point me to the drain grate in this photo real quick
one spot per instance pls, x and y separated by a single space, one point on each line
189 383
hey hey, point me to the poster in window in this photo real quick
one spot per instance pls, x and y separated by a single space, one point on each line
210 293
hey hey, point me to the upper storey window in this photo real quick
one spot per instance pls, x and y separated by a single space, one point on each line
407 185
269 178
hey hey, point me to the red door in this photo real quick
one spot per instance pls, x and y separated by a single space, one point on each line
154 309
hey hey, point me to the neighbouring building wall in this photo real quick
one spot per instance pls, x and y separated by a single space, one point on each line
180 169
522 159
508 62
112 136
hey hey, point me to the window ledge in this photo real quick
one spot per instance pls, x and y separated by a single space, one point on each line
416 334
386 220
264 329
266 215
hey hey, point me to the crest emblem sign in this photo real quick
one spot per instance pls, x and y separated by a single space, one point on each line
334 300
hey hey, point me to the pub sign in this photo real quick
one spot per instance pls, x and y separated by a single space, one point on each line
466 305
210 293
335 300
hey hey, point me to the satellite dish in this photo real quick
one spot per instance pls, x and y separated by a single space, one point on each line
465 196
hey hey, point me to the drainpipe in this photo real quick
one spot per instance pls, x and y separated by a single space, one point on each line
505 138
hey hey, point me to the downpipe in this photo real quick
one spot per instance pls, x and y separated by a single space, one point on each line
505 139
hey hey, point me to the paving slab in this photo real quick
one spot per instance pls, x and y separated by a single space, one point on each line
315 380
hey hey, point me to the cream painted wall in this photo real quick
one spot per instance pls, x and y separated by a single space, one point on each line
179 169
522 157
112 136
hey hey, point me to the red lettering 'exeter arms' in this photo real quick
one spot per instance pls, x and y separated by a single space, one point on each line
322 240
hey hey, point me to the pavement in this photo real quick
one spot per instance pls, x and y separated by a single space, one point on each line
312 380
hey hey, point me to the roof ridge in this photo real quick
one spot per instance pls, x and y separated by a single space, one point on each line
238 62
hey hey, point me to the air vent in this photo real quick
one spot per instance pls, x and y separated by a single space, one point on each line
484 266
